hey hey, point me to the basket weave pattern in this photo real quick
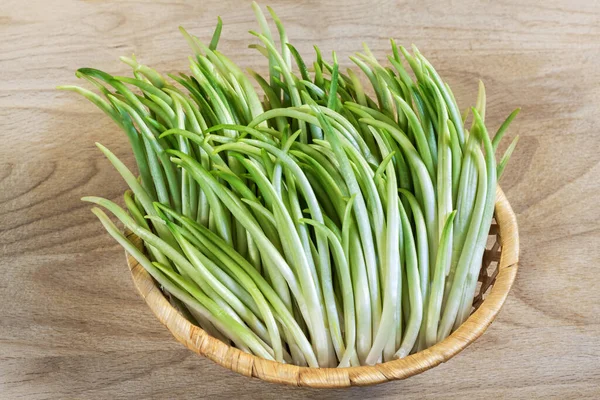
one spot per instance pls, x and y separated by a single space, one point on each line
499 268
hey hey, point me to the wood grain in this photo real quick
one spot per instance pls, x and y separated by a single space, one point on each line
71 323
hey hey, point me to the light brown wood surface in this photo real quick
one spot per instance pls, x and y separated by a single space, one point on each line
71 322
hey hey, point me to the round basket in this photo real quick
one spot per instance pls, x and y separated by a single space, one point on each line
500 263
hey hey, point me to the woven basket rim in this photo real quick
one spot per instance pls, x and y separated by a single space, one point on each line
197 340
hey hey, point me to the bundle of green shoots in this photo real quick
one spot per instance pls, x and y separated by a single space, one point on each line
315 223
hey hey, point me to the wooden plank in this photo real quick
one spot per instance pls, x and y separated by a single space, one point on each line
71 323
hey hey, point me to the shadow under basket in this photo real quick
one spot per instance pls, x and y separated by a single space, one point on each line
500 263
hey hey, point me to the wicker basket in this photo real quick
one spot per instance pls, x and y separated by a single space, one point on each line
500 264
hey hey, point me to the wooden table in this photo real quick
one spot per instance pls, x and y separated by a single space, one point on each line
71 324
